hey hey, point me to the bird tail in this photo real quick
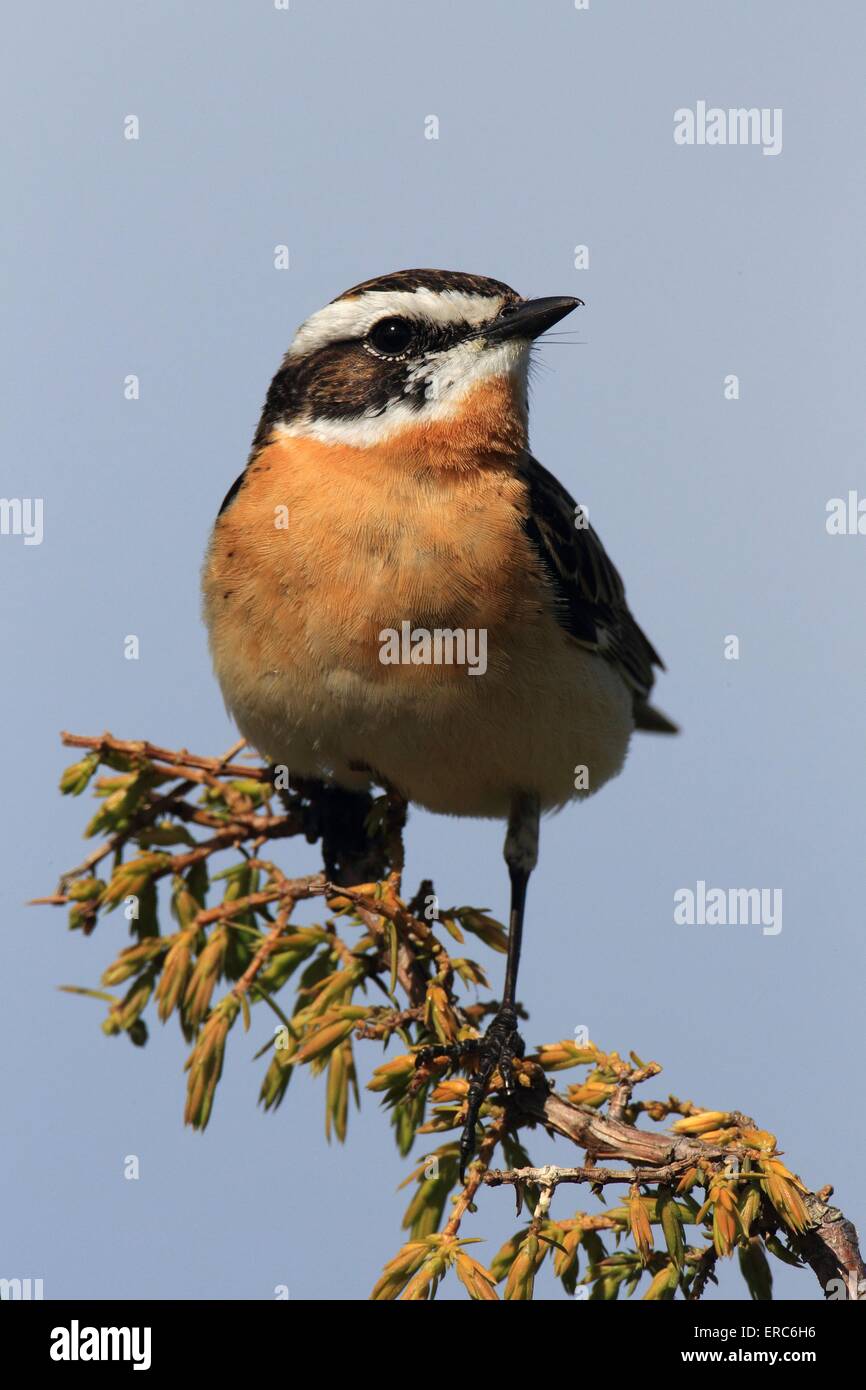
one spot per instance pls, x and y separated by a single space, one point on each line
652 721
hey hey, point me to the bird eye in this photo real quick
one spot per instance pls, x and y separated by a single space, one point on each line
391 337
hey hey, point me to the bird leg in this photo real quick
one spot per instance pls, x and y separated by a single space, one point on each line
502 1041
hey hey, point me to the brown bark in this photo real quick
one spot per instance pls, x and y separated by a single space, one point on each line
830 1248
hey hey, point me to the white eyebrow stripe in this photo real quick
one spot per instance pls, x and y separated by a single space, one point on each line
352 318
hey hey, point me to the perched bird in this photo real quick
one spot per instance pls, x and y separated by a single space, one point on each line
398 593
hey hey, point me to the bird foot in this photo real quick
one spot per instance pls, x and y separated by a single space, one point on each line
496 1051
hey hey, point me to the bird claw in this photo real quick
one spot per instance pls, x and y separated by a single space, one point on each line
496 1051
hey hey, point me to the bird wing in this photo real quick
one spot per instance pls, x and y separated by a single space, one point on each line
588 595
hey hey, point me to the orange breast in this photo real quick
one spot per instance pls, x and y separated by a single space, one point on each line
327 545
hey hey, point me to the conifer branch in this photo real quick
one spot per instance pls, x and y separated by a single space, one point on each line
714 1173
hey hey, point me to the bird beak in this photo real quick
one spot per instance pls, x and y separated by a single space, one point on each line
529 319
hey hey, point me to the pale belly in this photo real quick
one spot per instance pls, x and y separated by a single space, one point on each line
555 722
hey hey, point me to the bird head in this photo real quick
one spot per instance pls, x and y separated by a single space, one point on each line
411 354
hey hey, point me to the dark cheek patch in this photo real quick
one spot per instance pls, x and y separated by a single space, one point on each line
344 380
339 382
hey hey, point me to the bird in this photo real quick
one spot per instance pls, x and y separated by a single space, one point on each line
397 593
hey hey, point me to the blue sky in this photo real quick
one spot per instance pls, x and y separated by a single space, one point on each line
155 257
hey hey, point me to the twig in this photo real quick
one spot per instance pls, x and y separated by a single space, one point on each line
150 753
265 950
832 1251
311 886
551 1176
494 1133
388 1023
705 1271
147 816
830 1247
622 1095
